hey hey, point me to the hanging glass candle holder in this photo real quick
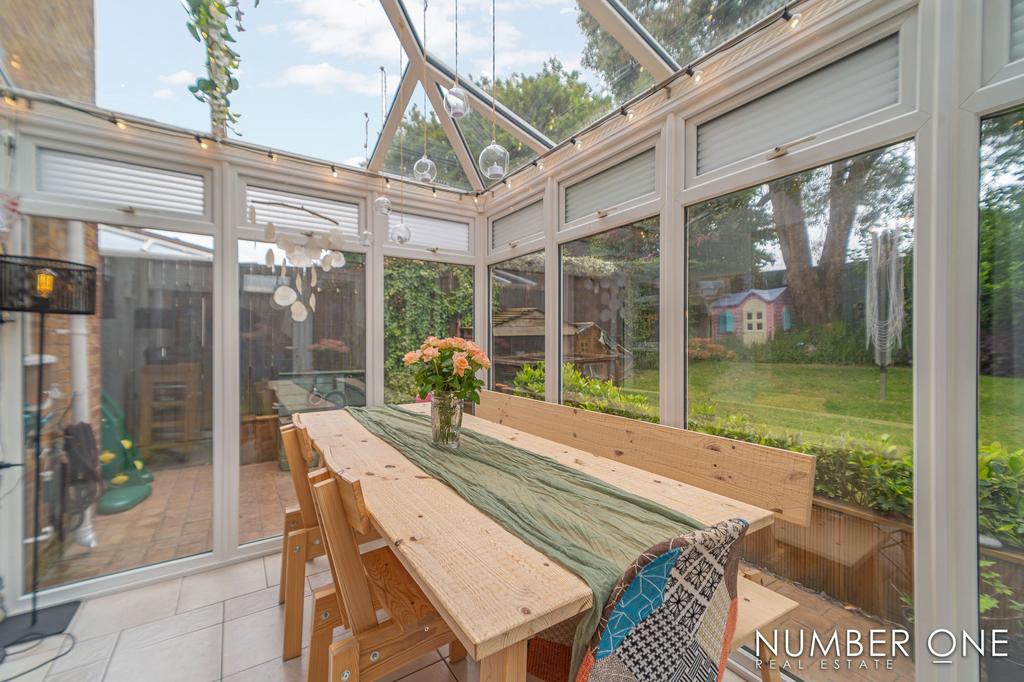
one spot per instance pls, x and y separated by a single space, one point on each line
382 206
456 102
399 233
493 161
424 170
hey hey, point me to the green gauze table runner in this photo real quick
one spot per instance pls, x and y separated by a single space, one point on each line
590 527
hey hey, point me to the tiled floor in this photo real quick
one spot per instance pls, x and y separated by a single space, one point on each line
174 522
225 624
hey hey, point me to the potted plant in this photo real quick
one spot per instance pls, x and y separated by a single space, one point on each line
446 371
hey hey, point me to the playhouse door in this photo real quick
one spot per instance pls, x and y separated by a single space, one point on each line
754 319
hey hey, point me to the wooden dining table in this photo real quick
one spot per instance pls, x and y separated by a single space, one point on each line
492 589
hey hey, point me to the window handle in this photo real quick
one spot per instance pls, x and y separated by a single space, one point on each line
783 149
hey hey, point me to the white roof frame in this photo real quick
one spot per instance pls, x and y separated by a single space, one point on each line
435 76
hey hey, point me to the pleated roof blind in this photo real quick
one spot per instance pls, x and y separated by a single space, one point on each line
1016 30
866 81
345 213
121 184
434 233
628 180
524 224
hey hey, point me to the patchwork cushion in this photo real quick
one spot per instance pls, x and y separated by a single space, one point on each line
672 614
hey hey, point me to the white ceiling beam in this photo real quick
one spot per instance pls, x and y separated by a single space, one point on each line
505 118
394 119
400 22
454 136
633 37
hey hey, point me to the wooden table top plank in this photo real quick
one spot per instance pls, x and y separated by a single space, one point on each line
492 588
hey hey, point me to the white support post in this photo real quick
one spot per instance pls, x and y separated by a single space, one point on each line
672 356
552 299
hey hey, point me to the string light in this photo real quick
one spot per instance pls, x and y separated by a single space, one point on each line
538 164
271 155
508 183
628 114
334 171
121 125
792 17
577 143
201 142
695 74
10 100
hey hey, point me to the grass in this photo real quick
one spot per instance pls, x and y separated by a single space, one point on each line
824 401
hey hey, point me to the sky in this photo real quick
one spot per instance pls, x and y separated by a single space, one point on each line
311 68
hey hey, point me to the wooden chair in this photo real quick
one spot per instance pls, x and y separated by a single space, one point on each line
361 585
301 540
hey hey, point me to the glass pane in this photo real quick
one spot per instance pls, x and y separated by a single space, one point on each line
421 299
556 68
291 361
517 326
610 321
688 30
407 146
136 380
1001 389
799 327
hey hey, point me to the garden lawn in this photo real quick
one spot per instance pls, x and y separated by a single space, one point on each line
821 402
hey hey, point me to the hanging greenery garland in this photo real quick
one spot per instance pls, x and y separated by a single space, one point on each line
208 23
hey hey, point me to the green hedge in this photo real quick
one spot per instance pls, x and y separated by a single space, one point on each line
597 395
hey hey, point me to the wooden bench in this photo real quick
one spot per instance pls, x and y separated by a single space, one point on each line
770 478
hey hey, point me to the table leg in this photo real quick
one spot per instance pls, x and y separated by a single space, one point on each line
508 665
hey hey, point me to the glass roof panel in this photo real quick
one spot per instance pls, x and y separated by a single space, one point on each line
309 71
550 63
688 30
407 145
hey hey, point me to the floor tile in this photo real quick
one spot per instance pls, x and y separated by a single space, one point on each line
220 584
275 670
86 652
272 569
194 656
164 629
251 603
88 673
20 664
256 638
121 610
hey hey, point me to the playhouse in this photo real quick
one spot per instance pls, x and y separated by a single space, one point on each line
754 315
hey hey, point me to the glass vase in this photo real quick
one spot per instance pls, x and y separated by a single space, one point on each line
446 418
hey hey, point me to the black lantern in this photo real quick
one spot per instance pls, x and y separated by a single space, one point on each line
42 285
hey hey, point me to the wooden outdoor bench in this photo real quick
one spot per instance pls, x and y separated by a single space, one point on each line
770 478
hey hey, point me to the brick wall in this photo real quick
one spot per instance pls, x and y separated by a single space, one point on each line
50 46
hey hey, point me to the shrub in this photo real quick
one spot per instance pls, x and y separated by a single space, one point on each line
706 349
597 395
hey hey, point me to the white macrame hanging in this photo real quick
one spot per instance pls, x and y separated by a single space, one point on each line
883 307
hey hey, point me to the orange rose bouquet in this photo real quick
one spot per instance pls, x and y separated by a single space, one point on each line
448 366
446 370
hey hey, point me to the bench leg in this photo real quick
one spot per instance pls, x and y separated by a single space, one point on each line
325 619
456 652
769 669
294 562
292 521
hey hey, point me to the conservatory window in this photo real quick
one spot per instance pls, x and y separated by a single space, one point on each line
1001 387
421 299
139 377
609 189
523 225
302 347
610 321
517 326
433 233
798 257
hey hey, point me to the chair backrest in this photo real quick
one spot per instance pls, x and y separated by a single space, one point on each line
334 496
778 480
298 451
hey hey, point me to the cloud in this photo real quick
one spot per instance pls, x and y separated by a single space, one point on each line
164 93
358 28
183 77
325 78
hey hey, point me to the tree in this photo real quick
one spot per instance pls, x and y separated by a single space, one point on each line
555 101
